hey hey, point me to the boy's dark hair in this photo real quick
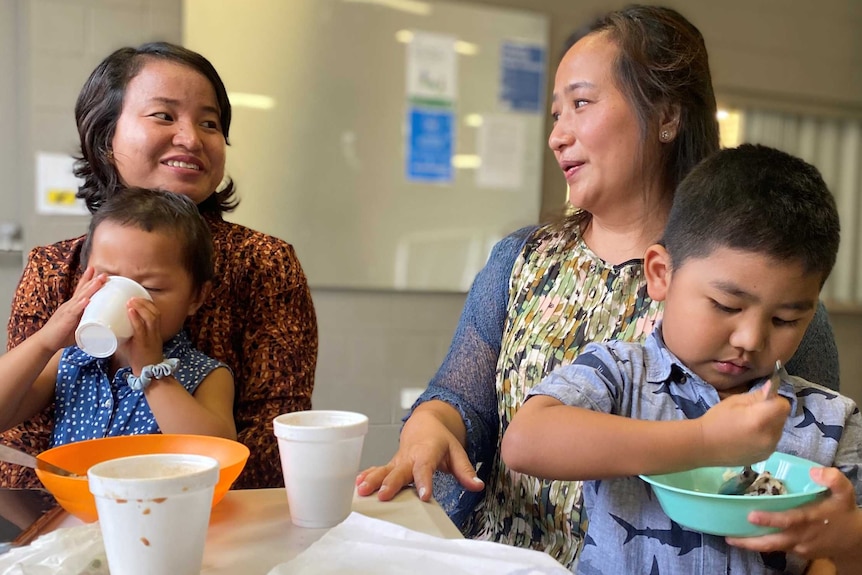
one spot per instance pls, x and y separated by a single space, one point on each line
756 199
157 210
99 106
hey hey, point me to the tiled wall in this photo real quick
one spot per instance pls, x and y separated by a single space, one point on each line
373 347
10 268
10 262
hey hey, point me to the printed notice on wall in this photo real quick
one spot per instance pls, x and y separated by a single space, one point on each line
501 147
56 186
429 145
432 69
522 76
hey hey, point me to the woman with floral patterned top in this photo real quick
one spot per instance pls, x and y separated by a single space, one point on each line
634 111
158 116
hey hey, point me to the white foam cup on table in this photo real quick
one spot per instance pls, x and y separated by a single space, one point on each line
154 511
320 452
105 322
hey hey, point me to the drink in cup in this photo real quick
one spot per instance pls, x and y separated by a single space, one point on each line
320 452
154 511
105 322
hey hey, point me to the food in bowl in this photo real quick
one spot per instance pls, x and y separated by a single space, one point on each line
73 493
691 498
766 484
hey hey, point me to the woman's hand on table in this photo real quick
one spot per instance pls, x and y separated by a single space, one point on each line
428 443
830 527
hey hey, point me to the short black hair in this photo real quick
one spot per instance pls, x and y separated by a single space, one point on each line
757 199
158 210
100 104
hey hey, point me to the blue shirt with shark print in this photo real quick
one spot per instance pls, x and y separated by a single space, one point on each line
628 531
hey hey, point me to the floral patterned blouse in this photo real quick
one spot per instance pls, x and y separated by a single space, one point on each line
259 320
562 297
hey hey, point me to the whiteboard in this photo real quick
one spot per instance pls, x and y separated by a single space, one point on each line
336 149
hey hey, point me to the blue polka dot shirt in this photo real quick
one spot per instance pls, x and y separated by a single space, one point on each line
89 404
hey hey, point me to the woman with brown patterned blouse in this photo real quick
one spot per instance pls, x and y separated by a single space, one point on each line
158 116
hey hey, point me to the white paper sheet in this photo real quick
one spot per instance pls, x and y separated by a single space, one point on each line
501 146
432 67
56 186
362 545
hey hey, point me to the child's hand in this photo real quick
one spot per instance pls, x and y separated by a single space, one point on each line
59 331
830 527
745 428
145 347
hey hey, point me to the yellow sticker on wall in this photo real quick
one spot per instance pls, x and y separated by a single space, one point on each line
61 197
56 186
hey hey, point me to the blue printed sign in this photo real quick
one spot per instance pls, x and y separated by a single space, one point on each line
522 76
430 145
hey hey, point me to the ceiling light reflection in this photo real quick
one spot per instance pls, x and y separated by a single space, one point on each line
461 47
466 161
473 120
255 101
409 6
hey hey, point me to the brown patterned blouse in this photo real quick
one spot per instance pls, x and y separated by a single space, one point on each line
259 320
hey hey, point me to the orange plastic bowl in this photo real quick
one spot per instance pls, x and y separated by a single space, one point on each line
73 493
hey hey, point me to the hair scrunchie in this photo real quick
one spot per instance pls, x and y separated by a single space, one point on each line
150 372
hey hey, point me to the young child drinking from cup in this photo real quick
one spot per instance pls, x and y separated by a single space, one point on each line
154 381
751 238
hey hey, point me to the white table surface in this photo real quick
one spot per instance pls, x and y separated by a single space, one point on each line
250 530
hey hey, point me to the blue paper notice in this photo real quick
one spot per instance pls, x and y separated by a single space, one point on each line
522 76
429 153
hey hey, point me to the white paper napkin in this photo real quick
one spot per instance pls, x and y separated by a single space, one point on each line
362 545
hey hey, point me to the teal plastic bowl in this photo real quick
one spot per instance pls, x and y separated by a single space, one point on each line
691 497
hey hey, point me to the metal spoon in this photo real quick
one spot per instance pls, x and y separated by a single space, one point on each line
737 484
775 379
12 455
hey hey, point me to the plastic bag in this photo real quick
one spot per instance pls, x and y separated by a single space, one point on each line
68 551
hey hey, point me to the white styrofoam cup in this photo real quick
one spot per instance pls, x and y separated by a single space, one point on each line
154 511
320 452
105 322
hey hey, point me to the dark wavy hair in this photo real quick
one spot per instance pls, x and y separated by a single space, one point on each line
156 211
662 61
99 106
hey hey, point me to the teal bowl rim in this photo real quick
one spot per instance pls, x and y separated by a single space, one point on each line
816 489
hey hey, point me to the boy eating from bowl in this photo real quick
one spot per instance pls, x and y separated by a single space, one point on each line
751 238
154 382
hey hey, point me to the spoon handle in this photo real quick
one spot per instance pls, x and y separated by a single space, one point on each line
12 455
775 380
